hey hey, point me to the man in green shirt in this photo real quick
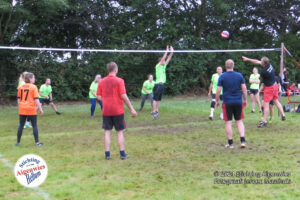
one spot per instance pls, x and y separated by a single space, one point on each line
45 95
160 72
212 92
147 91
254 81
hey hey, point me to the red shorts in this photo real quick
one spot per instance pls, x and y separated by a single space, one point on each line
270 93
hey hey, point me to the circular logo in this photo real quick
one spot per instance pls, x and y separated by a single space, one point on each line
31 170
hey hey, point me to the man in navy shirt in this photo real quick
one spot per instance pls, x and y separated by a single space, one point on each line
269 86
234 88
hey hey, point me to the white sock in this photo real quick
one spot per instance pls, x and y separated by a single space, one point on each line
221 115
212 112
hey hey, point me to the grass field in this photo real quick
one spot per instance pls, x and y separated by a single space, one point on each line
174 157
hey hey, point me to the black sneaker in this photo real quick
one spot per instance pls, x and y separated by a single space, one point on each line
262 124
210 117
18 144
141 109
39 144
107 157
58 113
124 157
260 111
283 118
252 111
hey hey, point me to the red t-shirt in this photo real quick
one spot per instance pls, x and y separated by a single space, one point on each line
110 89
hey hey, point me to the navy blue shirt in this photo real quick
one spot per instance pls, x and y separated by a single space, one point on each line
231 82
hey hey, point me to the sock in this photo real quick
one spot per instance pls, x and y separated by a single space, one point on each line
122 153
230 142
212 112
107 153
243 139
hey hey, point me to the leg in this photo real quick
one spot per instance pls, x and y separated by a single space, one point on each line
100 103
252 102
279 106
21 126
144 97
258 101
121 140
154 106
53 106
271 111
151 99
228 129
241 127
157 105
107 140
93 106
212 108
33 120
266 111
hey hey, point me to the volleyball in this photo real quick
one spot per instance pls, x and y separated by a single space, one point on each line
225 34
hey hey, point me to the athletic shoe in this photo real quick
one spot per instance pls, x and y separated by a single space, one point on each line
157 115
58 113
141 109
260 111
283 118
124 157
39 144
262 124
243 145
210 117
18 144
252 111
229 146
107 157
27 126
153 114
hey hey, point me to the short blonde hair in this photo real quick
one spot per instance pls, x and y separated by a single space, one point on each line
111 66
229 64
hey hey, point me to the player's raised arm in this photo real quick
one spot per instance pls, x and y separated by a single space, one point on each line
254 61
170 55
162 60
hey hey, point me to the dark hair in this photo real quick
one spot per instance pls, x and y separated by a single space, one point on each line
28 76
111 66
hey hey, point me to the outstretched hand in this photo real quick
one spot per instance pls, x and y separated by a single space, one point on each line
171 49
244 58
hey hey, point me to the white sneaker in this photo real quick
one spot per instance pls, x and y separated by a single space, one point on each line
243 145
229 146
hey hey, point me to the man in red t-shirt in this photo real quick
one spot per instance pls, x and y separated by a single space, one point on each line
111 91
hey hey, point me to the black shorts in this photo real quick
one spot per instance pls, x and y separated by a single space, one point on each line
114 121
253 91
158 91
45 101
213 96
235 109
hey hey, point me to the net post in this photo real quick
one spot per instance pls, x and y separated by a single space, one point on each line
281 69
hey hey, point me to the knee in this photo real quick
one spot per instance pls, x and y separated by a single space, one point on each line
213 103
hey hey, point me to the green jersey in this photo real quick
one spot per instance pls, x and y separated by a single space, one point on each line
45 90
254 77
214 81
160 73
148 86
93 87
